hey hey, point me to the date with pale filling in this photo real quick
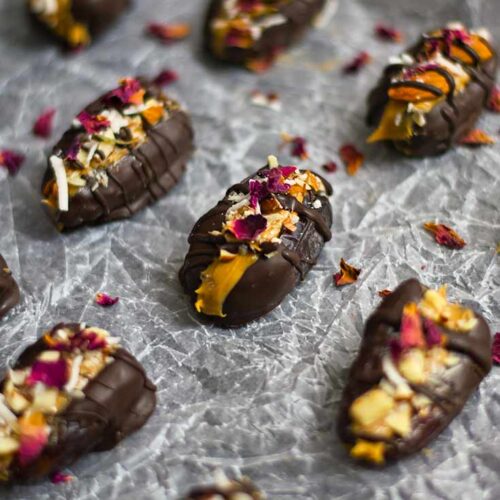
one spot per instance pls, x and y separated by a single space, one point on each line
250 251
431 96
72 392
122 153
75 22
9 291
421 358
254 32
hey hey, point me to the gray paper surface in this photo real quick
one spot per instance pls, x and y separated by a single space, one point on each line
261 400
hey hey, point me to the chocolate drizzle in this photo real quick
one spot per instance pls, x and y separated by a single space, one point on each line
9 291
143 176
266 283
117 402
448 391
449 120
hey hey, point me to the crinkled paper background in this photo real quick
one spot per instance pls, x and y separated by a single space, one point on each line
259 400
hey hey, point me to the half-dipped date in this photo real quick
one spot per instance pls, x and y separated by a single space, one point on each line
76 22
124 151
432 95
421 358
9 291
254 33
249 251
72 392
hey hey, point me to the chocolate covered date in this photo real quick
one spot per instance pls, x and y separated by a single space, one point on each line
72 392
249 251
431 96
9 291
226 489
123 152
253 33
421 358
76 22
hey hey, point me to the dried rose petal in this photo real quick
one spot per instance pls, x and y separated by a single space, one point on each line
11 160
168 32
166 77
494 100
444 235
248 5
73 150
33 437
50 373
298 145
258 192
454 35
330 166
59 477
93 123
352 158
275 177
249 228
43 124
105 300
388 33
130 91
496 349
361 60
411 332
433 334
347 274
384 293
477 137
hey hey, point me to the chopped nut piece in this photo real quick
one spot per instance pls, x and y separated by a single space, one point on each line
371 406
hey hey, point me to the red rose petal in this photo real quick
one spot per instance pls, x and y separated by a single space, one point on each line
50 373
43 124
105 300
388 33
92 123
330 166
496 349
384 293
249 228
444 235
11 160
298 145
166 77
352 158
361 60
59 477
494 100
168 32
433 334
347 274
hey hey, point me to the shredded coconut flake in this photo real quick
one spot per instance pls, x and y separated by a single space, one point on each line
57 165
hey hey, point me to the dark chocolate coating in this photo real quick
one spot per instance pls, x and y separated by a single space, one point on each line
299 15
449 395
96 15
118 401
9 291
266 283
450 120
146 174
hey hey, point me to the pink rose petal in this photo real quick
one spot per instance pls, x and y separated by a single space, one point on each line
92 123
43 124
249 228
11 160
50 373
105 300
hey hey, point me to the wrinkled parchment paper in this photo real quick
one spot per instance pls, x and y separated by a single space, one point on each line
261 400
